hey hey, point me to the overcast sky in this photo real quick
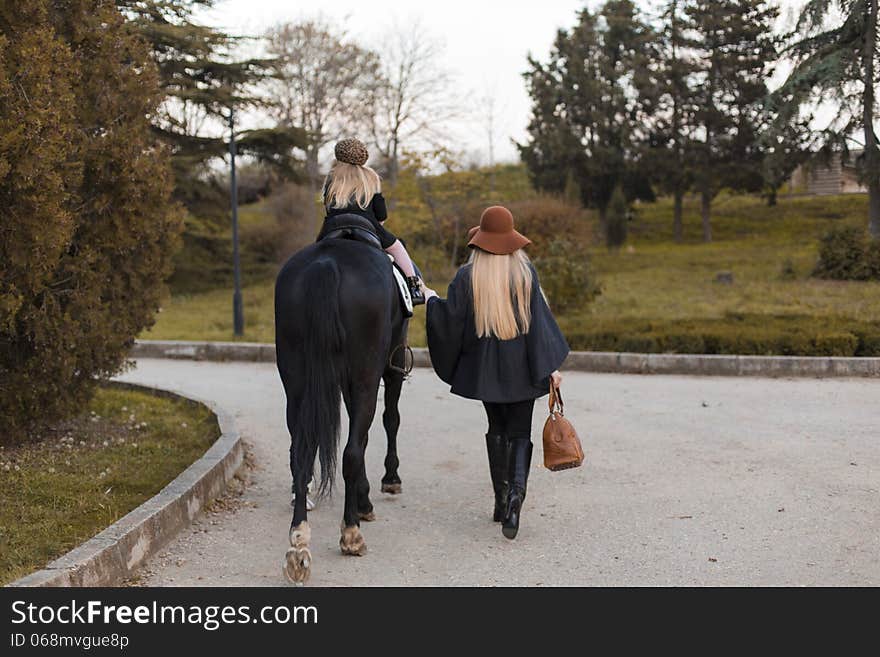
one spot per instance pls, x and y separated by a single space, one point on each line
486 44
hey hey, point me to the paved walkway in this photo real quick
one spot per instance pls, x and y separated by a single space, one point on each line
688 481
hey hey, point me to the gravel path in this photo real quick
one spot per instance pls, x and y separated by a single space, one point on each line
688 481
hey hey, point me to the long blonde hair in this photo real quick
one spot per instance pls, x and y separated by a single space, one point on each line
350 182
502 289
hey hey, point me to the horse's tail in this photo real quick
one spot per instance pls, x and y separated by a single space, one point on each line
317 420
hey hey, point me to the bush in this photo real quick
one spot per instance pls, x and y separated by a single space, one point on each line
872 259
88 229
616 220
846 255
296 211
545 219
734 334
565 275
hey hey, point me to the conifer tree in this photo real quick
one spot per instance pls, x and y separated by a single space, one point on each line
588 109
202 80
88 226
839 62
734 45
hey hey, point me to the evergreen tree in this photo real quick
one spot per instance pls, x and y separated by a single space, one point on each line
588 108
839 63
734 42
202 81
88 226
670 147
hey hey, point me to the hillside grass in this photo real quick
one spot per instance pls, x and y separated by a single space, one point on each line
652 284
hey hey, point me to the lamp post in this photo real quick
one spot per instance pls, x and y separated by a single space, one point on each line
237 311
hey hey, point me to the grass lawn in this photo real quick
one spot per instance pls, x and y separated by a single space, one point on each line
651 279
85 474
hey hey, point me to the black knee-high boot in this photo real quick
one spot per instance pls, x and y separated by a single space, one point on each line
497 447
517 477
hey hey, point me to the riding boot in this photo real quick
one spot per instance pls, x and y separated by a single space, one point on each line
497 447
415 290
517 477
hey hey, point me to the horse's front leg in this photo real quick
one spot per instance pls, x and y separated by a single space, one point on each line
391 420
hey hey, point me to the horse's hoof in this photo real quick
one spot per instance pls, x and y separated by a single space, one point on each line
393 489
298 560
370 516
297 565
352 542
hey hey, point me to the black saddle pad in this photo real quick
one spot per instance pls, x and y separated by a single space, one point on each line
350 226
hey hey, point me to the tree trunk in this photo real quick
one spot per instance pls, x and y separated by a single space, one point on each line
771 198
705 210
676 216
872 157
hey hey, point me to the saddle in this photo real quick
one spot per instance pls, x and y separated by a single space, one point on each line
360 229
352 227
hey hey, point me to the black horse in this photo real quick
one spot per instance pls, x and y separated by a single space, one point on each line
340 328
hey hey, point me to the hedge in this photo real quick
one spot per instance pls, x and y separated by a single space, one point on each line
786 335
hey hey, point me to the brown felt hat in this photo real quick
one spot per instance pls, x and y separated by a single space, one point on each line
496 234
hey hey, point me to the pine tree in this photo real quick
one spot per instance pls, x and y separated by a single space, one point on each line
839 63
202 81
670 140
734 42
587 107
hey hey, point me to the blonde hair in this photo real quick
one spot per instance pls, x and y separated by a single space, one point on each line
350 182
502 289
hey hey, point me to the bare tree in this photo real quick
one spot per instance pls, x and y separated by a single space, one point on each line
491 115
322 81
415 101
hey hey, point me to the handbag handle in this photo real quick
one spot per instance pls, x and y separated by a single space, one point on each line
556 400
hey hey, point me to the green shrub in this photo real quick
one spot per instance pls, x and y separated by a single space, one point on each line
616 220
733 334
872 259
88 229
843 255
565 276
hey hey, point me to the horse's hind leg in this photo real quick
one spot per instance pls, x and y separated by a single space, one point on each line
364 506
298 560
391 420
360 400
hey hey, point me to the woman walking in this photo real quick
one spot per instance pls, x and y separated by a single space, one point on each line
494 339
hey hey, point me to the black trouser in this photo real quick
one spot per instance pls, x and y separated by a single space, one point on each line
510 420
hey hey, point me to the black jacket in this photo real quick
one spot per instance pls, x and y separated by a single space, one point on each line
490 369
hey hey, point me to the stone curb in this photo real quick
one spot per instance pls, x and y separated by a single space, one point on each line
116 552
582 361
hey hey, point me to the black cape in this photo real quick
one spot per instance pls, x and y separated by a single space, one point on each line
490 369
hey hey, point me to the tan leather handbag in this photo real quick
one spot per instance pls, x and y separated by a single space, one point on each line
562 447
